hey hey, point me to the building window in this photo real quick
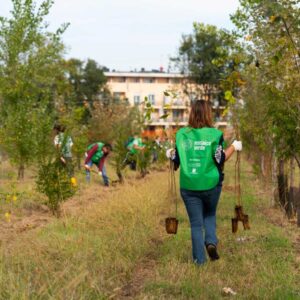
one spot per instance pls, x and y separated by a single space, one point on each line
134 80
167 100
119 79
174 80
148 80
177 116
151 99
137 100
163 80
119 95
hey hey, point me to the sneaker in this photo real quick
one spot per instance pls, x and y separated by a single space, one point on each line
212 252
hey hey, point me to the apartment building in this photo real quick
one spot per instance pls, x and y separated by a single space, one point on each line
135 86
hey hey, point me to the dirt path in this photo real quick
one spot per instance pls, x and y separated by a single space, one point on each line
143 271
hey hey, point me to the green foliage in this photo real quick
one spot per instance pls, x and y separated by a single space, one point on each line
204 57
271 113
73 118
143 159
87 80
107 118
53 181
115 122
148 109
29 70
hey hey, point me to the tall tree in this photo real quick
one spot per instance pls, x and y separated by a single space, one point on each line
272 30
87 79
202 55
29 68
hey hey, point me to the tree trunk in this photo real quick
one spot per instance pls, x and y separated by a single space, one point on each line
298 214
297 160
262 165
78 161
282 185
274 167
21 171
298 205
120 176
291 197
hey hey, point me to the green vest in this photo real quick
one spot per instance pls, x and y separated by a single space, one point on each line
197 147
137 141
98 154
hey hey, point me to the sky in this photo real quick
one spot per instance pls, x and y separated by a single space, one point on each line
131 34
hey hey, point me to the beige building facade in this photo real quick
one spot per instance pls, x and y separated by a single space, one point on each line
135 86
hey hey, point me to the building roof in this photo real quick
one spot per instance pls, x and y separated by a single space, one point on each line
144 74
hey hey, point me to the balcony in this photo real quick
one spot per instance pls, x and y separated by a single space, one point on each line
170 103
156 121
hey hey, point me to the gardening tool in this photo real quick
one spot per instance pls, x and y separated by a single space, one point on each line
172 222
238 210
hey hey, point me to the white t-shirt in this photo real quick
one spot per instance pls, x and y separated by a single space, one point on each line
66 144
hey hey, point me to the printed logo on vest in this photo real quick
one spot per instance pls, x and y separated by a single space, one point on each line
201 145
187 144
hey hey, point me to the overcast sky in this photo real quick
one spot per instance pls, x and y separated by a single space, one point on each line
129 34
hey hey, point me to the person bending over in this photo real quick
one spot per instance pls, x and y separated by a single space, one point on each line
96 154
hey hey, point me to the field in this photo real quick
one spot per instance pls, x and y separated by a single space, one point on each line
111 244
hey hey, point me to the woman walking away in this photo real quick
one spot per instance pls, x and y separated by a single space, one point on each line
200 154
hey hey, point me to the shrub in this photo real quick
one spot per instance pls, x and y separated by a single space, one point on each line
53 181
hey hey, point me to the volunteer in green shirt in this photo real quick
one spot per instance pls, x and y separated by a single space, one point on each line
133 148
64 144
96 154
200 154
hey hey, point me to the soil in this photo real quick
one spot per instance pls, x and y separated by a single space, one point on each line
28 220
143 271
228 188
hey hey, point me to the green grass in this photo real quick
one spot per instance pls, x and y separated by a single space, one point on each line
93 252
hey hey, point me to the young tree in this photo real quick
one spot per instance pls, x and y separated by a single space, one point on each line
29 68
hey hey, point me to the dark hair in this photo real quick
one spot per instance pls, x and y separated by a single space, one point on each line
56 127
108 146
59 128
201 114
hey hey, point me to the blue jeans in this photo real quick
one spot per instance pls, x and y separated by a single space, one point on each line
201 207
104 174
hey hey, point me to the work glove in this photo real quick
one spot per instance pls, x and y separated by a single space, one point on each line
170 153
237 145
100 173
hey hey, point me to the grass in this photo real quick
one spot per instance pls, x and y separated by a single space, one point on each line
112 244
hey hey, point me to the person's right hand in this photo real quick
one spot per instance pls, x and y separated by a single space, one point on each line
237 145
170 153
87 167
